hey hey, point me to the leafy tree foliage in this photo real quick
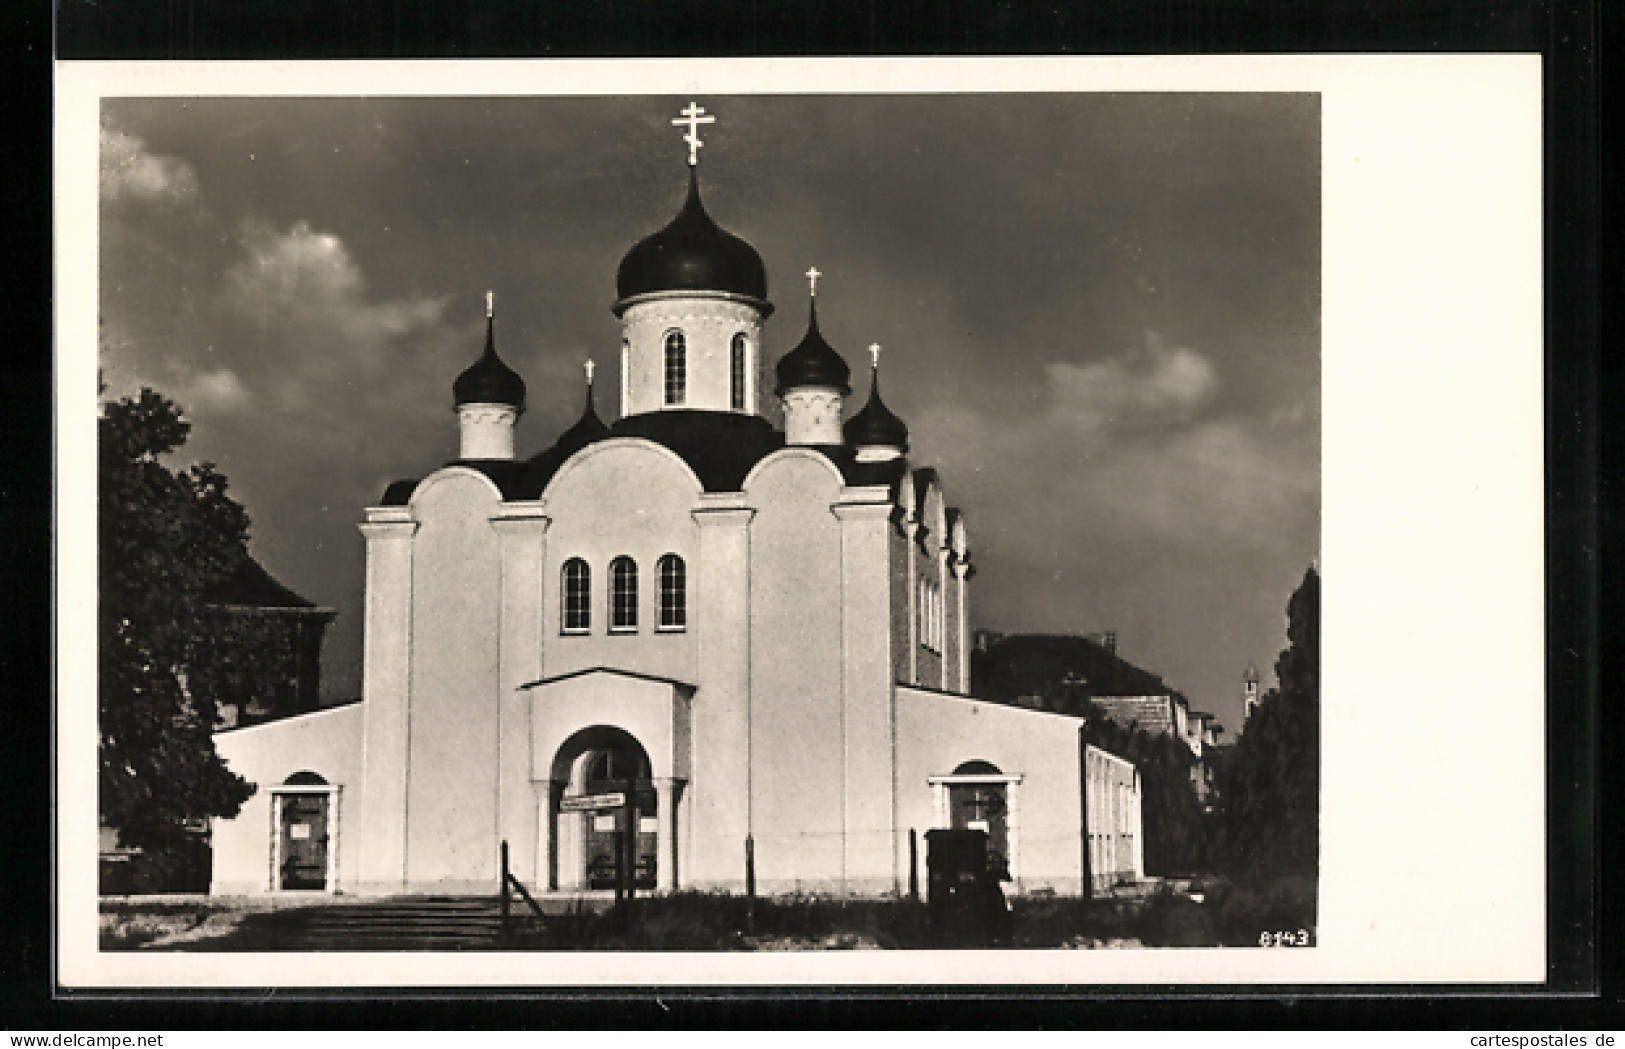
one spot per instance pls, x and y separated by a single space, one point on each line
1270 783
165 657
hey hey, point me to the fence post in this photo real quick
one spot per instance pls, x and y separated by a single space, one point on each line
750 885
913 865
504 877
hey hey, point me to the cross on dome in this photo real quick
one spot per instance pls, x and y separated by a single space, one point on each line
874 355
589 371
692 118
490 304
812 279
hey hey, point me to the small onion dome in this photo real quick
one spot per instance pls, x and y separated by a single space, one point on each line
488 380
813 362
1251 676
587 429
875 426
692 253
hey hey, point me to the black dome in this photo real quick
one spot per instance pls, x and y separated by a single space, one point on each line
692 253
488 380
586 430
875 425
813 362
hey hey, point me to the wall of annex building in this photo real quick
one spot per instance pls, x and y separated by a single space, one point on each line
452 834
326 742
936 733
621 498
1113 799
796 747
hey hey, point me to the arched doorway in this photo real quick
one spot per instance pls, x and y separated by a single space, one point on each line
304 815
978 795
605 813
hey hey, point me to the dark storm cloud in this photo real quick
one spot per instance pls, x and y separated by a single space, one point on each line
1100 314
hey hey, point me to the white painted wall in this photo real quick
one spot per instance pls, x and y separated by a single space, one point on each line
326 742
451 797
797 815
936 733
620 497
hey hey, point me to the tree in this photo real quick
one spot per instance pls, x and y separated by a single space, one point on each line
164 656
1270 784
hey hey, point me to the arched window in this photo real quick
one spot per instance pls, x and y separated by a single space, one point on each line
623 594
576 596
673 593
676 367
736 368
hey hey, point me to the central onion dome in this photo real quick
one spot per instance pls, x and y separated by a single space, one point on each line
692 253
813 362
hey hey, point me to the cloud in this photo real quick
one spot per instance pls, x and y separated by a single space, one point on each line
1126 451
130 173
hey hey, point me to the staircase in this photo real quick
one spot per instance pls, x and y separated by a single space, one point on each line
405 923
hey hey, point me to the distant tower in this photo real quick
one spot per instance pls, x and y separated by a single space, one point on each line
875 432
488 397
1249 692
813 383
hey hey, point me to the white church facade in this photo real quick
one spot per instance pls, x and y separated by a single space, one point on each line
686 630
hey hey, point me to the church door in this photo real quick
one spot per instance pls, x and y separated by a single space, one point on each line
629 826
304 841
982 806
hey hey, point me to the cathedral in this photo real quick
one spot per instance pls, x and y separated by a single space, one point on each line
676 651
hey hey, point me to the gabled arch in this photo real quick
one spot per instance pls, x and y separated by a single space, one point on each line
576 461
793 452
446 473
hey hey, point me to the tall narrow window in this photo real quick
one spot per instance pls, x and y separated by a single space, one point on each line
676 368
577 596
623 594
737 372
673 593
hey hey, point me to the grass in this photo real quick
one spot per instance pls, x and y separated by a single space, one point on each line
1228 915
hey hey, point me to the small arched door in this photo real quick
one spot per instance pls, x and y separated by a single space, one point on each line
304 826
975 803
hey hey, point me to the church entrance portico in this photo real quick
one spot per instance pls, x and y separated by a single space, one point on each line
609 759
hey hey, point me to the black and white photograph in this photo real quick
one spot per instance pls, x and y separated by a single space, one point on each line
566 525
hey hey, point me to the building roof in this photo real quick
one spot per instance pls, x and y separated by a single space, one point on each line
813 362
1019 665
720 447
488 380
692 253
251 586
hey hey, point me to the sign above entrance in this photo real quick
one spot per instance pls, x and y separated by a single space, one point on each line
592 802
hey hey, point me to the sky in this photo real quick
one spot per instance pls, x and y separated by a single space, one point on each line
1100 317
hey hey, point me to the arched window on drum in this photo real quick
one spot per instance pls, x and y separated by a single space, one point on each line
676 367
736 372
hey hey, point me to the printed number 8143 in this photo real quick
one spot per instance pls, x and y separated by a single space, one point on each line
1284 939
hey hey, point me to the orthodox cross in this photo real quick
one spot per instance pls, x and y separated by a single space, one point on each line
693 119
490 304
812 279
589 371
874 354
